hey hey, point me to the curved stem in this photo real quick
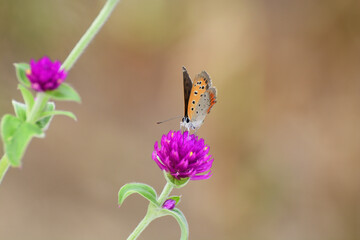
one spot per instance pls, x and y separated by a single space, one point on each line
143 224
89 34
4 166
152 213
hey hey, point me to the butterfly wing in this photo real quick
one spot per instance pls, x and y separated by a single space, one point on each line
203 107
201 84
187 89
199 99
212 97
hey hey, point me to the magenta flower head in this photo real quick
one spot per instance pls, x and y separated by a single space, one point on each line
169 204
183 156
45 75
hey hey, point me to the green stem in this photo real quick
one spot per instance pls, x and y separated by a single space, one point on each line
40 102
152 213
165 193
90 34
4 166
143 224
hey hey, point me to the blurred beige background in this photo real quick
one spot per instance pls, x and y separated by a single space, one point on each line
284 134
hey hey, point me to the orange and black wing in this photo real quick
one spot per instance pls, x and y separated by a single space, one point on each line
201 84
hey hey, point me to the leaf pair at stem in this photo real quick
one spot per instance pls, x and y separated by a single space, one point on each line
155 208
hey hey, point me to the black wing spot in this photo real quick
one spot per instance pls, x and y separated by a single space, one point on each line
199 104
192 109
203 87
193 102
201 95
195 92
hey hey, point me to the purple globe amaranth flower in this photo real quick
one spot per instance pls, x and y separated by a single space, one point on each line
183 156
169 204
45 75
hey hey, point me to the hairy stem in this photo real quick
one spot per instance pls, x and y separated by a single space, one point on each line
40 102
89 34
152 213
143 224
165 193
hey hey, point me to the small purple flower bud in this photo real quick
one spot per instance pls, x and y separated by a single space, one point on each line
169 204
45 75
183 156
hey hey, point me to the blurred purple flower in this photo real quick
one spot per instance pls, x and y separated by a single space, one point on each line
183 156
45 75
169 204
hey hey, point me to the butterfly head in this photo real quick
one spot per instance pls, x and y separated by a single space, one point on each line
187 124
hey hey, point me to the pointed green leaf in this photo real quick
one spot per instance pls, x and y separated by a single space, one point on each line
44 122
9 124
180 218
59 112
16 136
144 190
64 93
20 110
20 69
28 98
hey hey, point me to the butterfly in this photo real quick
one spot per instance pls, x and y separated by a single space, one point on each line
200 97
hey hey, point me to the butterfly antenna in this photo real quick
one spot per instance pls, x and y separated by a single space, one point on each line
168 119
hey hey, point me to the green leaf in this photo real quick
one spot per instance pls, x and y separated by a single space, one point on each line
175 198
20 69
44 122
175 182
52 113
180 218
144 190
16 136
9 124
28 98
20 110
64 93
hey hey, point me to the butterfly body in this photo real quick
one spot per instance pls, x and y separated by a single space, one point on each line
199 97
